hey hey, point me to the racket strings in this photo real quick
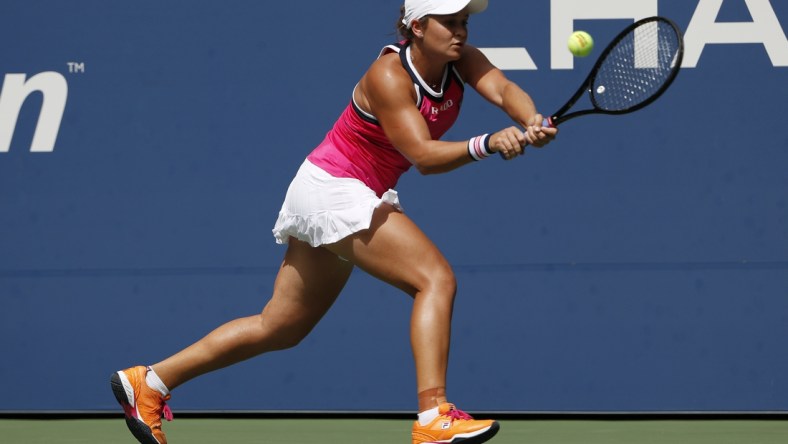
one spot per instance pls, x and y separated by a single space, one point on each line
637 68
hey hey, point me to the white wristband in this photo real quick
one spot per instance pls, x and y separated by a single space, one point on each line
479 147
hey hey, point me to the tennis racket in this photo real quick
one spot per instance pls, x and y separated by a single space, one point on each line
635 69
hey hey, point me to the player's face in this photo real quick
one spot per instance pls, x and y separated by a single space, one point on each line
447 33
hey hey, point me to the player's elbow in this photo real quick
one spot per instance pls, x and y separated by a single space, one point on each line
429 160
425 169
430 168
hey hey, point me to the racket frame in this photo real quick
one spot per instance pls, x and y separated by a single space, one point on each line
585 87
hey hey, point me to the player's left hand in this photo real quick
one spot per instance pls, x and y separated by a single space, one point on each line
538 135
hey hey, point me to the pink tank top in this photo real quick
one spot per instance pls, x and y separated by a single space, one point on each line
357 147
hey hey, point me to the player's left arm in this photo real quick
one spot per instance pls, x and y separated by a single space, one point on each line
491 83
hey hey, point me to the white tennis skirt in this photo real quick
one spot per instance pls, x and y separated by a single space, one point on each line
322 209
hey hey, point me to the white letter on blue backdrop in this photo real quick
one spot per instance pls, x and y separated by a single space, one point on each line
15 91
764 28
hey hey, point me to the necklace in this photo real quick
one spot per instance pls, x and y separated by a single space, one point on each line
435 86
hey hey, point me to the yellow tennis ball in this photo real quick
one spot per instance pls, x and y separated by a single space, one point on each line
580 43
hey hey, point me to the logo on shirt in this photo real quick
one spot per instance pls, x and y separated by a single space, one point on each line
444 106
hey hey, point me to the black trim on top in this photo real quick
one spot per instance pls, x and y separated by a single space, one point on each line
363 115
448 74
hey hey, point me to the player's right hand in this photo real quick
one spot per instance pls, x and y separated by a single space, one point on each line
509 142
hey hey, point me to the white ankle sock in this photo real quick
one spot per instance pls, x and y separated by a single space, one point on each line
427 416
155 382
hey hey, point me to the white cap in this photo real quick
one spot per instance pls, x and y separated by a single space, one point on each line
418 9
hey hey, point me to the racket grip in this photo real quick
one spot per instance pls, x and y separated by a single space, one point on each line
547 123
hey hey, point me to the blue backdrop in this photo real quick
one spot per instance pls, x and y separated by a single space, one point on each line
640 263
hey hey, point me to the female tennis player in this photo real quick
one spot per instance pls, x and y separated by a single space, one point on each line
341 212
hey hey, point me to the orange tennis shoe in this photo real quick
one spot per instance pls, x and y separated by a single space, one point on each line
453 426
142 405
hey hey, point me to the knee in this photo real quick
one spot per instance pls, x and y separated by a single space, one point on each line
440 282
286 338
281 334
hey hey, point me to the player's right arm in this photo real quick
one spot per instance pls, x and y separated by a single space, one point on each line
386 91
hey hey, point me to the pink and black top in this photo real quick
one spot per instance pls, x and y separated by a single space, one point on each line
357 147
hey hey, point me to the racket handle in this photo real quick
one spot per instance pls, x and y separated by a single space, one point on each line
547 123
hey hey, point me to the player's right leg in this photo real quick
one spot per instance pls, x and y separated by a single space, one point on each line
308 283
142 405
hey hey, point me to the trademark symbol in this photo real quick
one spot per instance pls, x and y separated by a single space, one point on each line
76 67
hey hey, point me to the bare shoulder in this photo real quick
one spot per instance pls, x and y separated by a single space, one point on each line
387 70
472 62
385 80
474 66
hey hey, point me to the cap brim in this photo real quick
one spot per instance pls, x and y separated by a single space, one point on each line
453 7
